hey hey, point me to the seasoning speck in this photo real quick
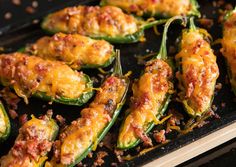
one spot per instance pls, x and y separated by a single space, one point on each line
16 2
8 16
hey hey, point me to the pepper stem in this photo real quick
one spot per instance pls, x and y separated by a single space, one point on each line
192 25
148 24
117 67
163 51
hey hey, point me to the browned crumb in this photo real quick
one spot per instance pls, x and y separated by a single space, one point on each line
107 141
228 6
90 155
214 108
218 86
159 136
202 123
223 104
35 4
207 23
16 2
8 16
114 164
99 160
35 21
11 99
30 9
172 49
119 154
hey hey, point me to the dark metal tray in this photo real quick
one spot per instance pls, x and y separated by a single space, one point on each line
25 31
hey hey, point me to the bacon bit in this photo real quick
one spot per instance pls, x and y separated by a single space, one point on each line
214 108
35 4
119 153
61 120
218 86
99 160
8 16
30 9
107 141
11 98
202 123
223 104
16 2
114 164
207 23
90 155
23 119
140 133
13 114
159 136
111 80
228 6
139 102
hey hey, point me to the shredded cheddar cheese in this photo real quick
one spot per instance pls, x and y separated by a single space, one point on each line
29 75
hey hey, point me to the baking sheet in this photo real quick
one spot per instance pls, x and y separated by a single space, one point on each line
25 31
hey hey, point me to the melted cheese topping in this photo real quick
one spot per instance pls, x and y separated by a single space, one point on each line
149 92
84 131
3 125
30 74
163 7
74 49
35 134
229 45
91 21
199 72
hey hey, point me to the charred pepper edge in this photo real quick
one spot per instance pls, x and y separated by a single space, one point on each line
84 97
193 12
161 55
7 132
190 111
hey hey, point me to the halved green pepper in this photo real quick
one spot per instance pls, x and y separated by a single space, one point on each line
108 23
229 47
197 71
5 125
160 9
32 144
151 96
75 50
83 135
48 80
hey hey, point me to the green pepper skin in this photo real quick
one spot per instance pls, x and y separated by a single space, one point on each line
127 138
133 37
85 66
151 125
84 98
227 54
4 135
113 114
32 130
104 132
197 72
